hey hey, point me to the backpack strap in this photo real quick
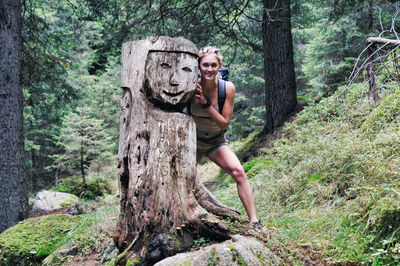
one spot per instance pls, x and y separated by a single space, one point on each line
221 94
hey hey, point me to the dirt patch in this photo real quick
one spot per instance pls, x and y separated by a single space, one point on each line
207 171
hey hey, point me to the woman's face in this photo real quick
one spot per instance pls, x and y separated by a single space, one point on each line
209 66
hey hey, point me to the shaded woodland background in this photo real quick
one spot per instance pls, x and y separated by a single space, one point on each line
331 176
71 66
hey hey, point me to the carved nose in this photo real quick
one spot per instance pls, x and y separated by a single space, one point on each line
173 81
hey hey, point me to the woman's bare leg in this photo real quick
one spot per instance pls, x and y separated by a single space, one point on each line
225 158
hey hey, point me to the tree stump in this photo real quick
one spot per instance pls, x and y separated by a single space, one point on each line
163 204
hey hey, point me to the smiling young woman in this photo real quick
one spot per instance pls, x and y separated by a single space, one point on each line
211 124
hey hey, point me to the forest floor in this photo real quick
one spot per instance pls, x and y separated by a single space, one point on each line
95 255
99 254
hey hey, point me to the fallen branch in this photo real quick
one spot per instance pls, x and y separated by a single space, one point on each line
378 40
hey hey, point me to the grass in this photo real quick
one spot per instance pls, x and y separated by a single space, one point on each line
93 234
332 181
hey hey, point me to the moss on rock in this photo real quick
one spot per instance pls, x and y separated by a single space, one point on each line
30 241
72 201
187 262
387 111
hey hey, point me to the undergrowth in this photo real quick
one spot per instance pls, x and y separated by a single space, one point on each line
93 234
92 188
332 181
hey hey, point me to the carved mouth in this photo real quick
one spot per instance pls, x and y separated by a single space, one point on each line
170 94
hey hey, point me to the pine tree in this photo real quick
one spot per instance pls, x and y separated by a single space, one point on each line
13 195
84 140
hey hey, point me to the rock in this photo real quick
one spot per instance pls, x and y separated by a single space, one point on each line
31 240
68 251
73 210
239 250
50 200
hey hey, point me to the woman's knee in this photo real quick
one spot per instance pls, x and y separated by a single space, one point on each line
238 174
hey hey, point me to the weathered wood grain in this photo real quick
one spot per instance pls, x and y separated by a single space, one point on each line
163 203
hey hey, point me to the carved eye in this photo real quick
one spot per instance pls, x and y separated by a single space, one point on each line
187 69
165 65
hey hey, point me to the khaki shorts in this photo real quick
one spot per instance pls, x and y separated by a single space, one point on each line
208 147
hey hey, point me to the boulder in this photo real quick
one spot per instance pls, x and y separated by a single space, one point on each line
50 200
239 250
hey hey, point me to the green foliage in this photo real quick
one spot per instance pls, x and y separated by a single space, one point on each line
201 242
253 167
58 44
50 34
72 59
93 188
330 185
93 230
83 139
212 260
132 262
387 111
315 183
30 241
328 37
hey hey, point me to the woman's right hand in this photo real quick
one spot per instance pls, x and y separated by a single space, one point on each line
199 96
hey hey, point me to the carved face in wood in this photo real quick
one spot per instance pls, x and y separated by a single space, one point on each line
170 76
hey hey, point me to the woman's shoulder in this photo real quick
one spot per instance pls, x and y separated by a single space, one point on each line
230 86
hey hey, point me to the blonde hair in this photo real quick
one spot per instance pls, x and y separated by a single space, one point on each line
210 50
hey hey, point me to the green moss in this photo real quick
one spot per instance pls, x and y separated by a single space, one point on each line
187 262
35 238
387 111
236 256
174 235
231 247
71 201
261 259
251 142
53 259
253 167
132 261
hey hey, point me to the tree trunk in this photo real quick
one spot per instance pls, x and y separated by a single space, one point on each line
371 73
82 162
13 196
161 197
280 83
